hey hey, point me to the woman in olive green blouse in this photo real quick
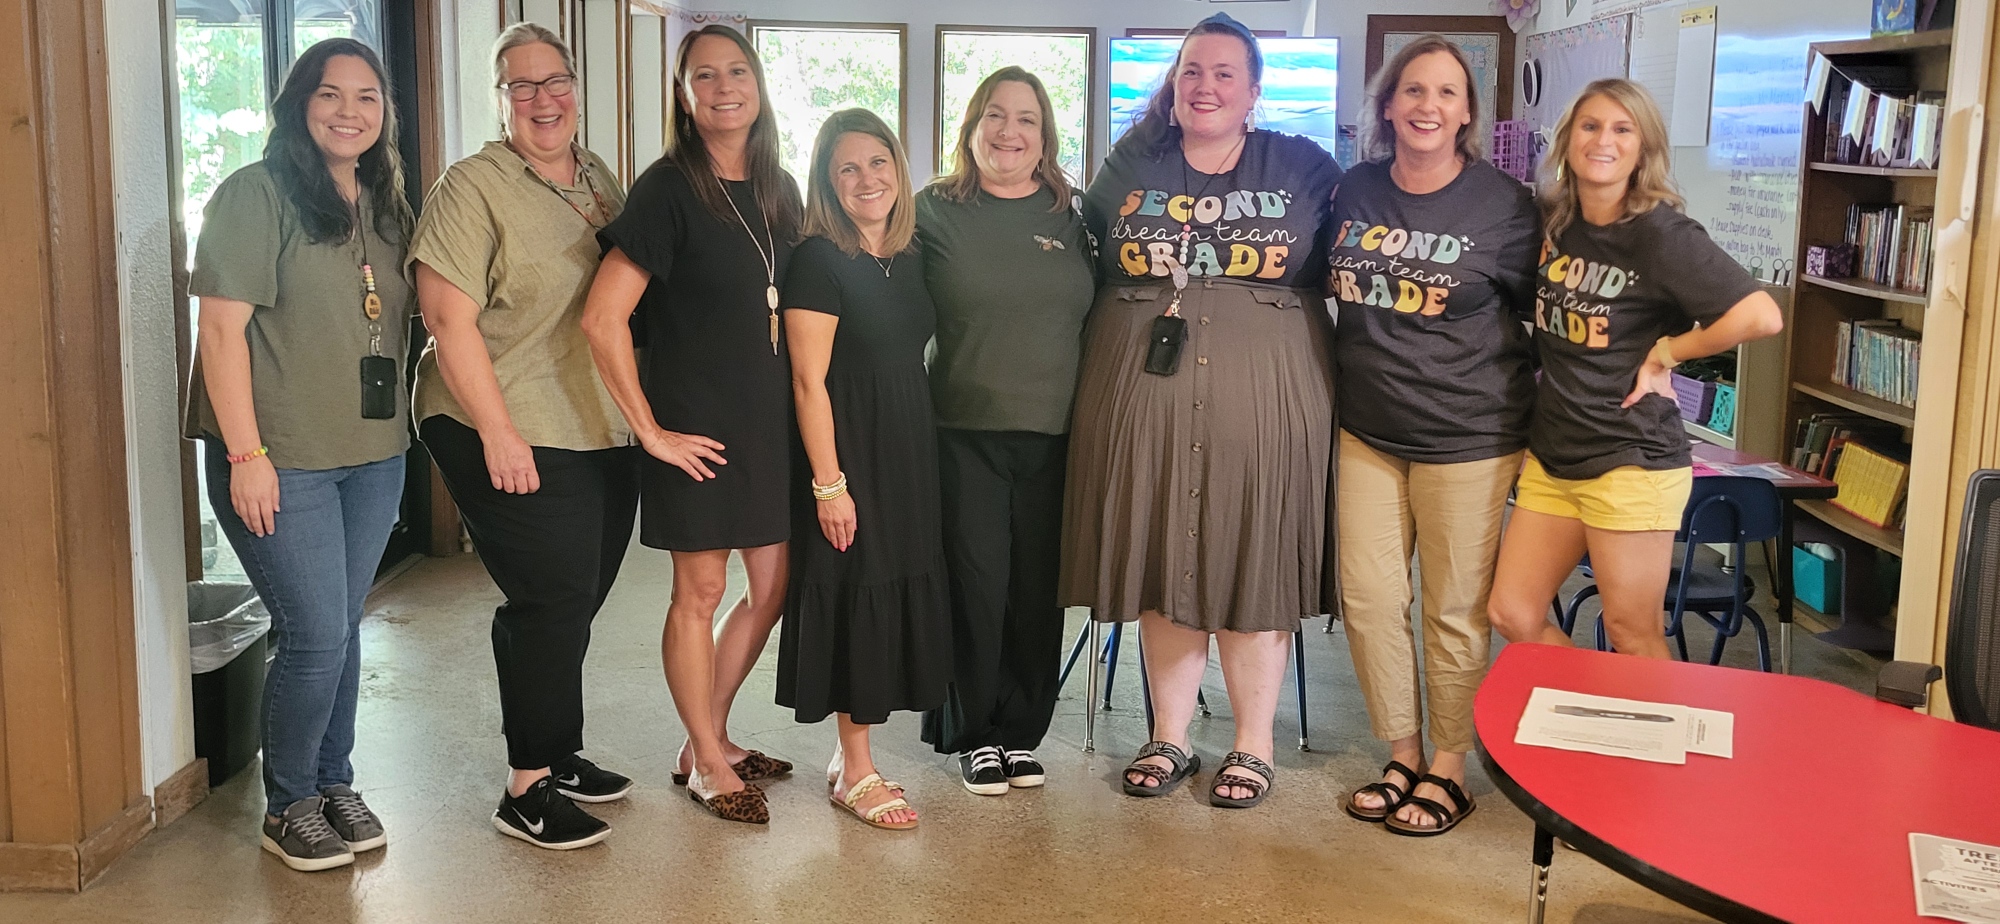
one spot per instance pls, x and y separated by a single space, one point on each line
299 274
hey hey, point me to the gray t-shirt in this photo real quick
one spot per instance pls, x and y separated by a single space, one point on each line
1012 282
307 333
1433 359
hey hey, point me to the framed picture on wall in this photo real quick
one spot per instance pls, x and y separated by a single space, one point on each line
1487 42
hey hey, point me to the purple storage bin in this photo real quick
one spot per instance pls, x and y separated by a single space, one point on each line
1696 397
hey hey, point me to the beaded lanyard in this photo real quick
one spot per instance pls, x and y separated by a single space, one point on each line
371 303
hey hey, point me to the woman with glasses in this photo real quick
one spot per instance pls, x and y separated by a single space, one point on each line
527 440
297 272
698 257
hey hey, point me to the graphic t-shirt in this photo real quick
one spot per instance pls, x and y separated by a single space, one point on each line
1261 222
1603 297
1433 362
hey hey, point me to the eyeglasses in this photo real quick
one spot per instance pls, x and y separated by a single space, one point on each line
521 91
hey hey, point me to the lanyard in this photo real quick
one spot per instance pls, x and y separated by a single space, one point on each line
582 173
371 303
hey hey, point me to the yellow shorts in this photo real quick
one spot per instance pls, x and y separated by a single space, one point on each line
1626 499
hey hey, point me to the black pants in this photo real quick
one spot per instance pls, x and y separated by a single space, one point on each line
555 554
1003 503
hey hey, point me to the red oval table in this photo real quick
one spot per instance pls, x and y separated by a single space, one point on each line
1808 822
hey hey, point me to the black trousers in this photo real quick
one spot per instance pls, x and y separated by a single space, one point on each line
1003 503
555 554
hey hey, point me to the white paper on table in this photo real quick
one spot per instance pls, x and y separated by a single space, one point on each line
1711 732
1956 880
1694 78
1656 732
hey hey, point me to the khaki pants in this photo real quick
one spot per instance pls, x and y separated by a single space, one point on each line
1449 515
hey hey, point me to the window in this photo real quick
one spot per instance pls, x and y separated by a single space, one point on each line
314 21
1060 57
813 70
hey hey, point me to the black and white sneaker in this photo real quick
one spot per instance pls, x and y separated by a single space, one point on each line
980 769
1022 769
302 838
542 817
584 781
352 819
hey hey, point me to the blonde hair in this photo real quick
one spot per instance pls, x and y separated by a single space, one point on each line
515 36
1652 181
962 183
824 215
1378 136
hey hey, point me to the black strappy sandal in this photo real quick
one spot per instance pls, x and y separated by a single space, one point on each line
1391 794
1159 780
1447 819
1259 787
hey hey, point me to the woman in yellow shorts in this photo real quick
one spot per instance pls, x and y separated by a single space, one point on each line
1628 286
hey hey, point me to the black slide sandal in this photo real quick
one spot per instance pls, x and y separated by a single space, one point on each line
1258 787
1392 795
1447 819
1159 780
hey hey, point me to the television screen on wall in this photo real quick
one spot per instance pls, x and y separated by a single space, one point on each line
1301 77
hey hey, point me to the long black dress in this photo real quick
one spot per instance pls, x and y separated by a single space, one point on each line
704 325
867 631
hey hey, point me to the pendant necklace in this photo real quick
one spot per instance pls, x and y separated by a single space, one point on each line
769 258
884 266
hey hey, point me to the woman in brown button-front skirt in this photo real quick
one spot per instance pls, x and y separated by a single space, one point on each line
1198 472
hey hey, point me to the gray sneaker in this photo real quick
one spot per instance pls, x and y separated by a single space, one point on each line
302 838
352 820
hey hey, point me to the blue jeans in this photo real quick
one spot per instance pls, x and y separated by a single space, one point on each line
313 573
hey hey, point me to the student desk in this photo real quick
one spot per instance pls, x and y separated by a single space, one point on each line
1795 485
1808 822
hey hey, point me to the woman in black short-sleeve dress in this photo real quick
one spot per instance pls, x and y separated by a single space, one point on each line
692 265
868 626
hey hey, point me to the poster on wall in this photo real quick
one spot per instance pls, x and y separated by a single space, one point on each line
1557 65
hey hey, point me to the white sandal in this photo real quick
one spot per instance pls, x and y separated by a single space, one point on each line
873 816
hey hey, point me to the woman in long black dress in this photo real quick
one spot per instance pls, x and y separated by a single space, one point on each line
869 631
704 238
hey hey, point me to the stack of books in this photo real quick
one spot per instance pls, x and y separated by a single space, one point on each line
1878 358
1894 244
1817 433
1872 483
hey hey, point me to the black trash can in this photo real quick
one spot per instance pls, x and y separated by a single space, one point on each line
227 643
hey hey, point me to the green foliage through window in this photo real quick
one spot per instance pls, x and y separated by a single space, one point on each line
1062 61
813 73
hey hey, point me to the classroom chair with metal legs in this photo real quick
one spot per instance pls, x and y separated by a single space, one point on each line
1108 655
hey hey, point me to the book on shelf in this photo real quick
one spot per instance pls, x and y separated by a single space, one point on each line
1816 434
1878 358
1873 484
1892 243
1875 116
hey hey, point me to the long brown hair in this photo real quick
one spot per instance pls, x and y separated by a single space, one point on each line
1652 181
962 183
1155 129
299 170
824 215
777 195
1378 136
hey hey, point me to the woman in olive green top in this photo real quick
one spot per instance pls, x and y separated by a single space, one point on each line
526 439
1009 267
299 274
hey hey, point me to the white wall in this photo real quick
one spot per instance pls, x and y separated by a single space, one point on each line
141 176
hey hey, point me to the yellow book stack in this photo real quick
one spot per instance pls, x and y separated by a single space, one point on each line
1872 485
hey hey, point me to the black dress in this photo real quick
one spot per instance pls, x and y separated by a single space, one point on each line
708 366
868 631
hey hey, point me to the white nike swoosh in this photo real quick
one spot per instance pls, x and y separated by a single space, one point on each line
535 827
569 781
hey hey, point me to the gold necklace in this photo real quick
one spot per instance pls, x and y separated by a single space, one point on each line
770 262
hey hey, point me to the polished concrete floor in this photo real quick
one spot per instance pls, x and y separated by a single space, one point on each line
430 762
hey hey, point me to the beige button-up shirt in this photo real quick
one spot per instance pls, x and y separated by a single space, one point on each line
525 251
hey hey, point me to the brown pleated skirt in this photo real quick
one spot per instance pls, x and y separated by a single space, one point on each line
1202 495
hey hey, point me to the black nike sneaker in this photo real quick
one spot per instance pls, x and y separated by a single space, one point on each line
584 781
542 817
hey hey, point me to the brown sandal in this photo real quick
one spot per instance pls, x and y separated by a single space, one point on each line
1445 818
1392 795
746 805
755 765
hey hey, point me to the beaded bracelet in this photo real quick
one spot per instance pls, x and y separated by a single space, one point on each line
827 492
252 454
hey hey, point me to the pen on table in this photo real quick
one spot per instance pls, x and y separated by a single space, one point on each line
1589 712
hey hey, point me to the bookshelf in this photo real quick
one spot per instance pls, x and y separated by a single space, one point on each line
1830 315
